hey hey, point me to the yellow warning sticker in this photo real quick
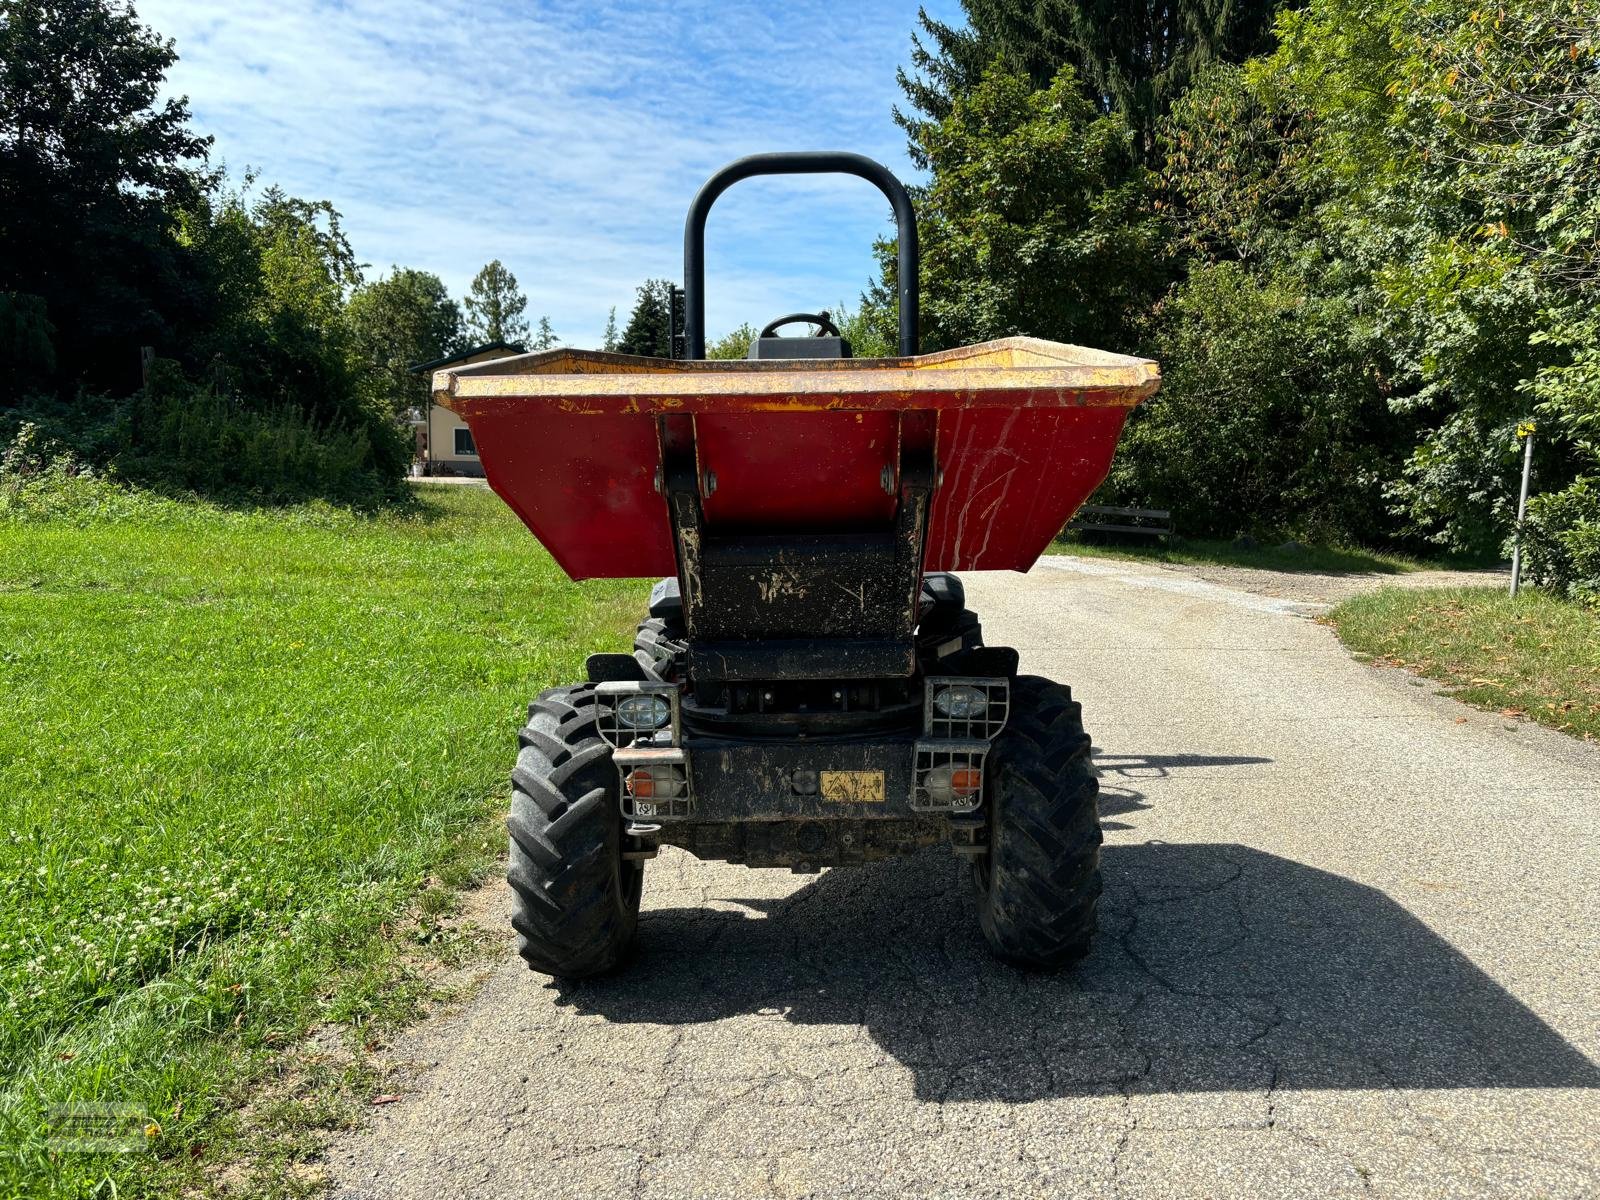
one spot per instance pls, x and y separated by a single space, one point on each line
853 787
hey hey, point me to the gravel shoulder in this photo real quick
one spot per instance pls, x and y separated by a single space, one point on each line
1306 587
1348 948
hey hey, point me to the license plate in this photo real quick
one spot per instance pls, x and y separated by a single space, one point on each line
853 787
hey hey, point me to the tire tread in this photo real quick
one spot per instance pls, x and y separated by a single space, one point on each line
575 901
1039 887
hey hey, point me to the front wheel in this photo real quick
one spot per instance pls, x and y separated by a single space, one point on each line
1038 888
576 899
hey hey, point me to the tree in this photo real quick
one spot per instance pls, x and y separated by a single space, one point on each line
609 339
544 337
1506 107
495 306
274 276
733 344
116 235
399 321
1233 182
1134 57
648 333
93 168
27 353
268 394
1035 221
1459 150
946 62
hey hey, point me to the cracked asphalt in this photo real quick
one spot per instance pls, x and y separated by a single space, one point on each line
1348 948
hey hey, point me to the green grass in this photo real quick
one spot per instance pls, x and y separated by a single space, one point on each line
238 749
1536 656
1316 560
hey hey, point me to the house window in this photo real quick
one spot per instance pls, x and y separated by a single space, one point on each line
464 446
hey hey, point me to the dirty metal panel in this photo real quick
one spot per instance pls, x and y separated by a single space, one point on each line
802 585
755 781
801 658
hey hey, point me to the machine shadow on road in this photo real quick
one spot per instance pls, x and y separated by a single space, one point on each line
1117 799
1218 968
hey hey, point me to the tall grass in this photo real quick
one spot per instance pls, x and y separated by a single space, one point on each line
193 439
182 439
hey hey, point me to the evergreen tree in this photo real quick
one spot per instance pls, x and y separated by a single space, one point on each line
1036 220
609 339
544 337
495 306
946 62
648 333
1132 56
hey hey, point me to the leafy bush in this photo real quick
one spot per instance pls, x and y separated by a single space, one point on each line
734 344
186 438
1457 489
41 480
1561 541
1267 421
99 458
1458 148
872 330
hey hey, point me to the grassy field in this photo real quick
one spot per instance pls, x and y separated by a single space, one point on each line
1319 560
238 749
1535 656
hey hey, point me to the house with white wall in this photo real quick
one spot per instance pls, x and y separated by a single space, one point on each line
444 443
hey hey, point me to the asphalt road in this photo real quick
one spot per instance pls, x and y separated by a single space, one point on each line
1349 947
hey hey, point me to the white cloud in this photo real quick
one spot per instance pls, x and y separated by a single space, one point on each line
562 137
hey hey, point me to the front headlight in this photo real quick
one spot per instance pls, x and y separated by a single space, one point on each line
961 702
644 712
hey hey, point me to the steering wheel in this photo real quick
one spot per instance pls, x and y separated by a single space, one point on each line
823 322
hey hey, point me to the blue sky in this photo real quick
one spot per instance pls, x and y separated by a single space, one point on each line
564 138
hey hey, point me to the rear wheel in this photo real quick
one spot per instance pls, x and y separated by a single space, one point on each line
576 900
1038 888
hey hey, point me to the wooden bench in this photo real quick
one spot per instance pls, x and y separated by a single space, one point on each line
1099 518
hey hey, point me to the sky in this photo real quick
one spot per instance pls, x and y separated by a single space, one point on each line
563 138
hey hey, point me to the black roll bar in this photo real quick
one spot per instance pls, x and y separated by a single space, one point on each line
805 162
